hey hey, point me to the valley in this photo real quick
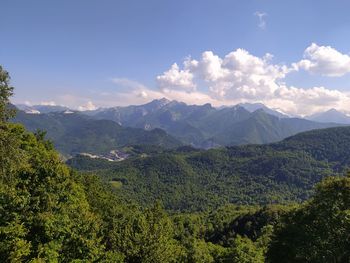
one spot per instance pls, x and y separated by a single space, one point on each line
201 126
189 179
174 131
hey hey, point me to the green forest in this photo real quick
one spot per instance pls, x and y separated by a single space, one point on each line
76 133
189 180
235 204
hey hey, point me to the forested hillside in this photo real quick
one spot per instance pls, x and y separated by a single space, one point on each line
51 213
253 174
75 133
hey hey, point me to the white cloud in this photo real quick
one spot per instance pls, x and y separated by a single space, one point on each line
125 83
175 78
306 101
324 60
139 94
48 103
87 106
242 77
236 77
261 16
143 94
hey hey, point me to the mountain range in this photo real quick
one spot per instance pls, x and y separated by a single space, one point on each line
38 109
251 107
204 126
74 133
331 115
201 126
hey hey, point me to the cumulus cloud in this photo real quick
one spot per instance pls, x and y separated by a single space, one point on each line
236 77
305 101
139 94
175 78
143 94
324 60
261 16
242 77
87 106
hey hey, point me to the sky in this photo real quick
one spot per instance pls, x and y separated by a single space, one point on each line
292 55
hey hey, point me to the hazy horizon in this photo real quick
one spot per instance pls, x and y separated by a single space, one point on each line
86 55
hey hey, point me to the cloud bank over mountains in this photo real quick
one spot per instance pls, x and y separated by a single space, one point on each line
237 77
242 77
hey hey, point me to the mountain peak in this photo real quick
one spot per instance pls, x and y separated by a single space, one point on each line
159 102
163 100
331 115
252 107
332 110
155 104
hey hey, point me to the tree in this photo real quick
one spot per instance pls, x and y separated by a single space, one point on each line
147 237
199 251
6 91
319 231
44 212
10 154
245 251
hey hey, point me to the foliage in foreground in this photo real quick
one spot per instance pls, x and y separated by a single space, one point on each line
319 231
48 213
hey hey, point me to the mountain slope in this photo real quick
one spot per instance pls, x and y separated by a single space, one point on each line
250 174
260 128
75 133
42 108
331 115
174 117
205 126
251 107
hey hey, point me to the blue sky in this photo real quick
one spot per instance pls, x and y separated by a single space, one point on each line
107 53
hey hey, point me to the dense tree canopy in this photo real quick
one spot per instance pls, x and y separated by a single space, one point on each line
196 180
319 231
6 92
44 212
51 213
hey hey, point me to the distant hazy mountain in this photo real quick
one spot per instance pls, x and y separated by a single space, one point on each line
260 128
331 115
36 109
205 126
251 107
176 118
75 133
